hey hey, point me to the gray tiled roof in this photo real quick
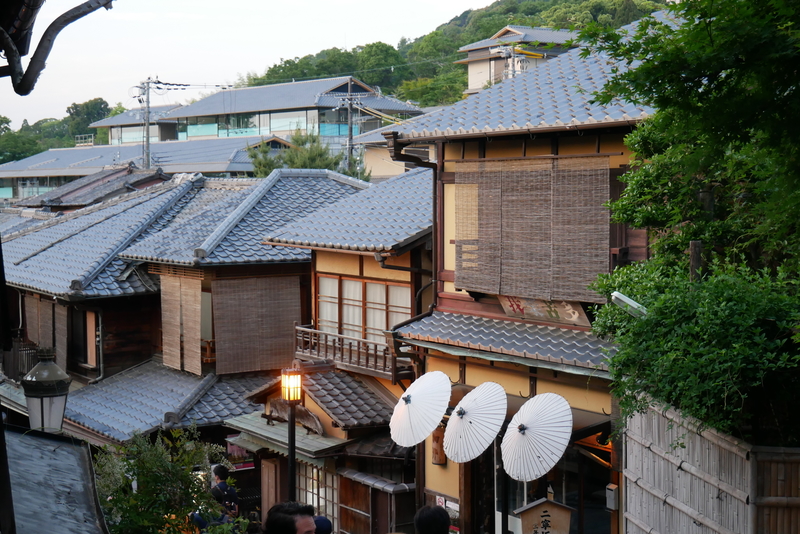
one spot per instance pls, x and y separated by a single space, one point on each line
292 95
226 399
52 484
189 220
382 218
538 342
76 254
554 96
203 155
380 445
226 227
17 219
346 399
525 34
138 399
136 117
94 187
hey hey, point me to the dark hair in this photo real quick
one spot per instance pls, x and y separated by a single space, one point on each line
432 520
281 517
221 471
323 524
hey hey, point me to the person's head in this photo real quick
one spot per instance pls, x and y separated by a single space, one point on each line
324 525
290 518
432 520
220 473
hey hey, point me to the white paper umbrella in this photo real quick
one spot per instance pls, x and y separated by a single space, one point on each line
419 411
475 422
536 437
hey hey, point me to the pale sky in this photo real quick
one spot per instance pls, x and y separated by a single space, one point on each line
201 42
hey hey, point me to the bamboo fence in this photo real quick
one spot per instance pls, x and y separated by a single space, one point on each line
682 479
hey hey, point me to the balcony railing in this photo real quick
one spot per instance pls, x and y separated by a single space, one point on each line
359 355
20 359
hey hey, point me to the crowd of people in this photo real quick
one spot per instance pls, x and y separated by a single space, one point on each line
298 518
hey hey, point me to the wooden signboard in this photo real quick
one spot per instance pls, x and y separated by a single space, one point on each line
545 517
437 441
561 312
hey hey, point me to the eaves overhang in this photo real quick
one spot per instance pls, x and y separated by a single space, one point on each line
538 361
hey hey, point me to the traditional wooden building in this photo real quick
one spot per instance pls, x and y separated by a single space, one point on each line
523 170
164 271
371 270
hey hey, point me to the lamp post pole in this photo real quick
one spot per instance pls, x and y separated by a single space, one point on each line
292 463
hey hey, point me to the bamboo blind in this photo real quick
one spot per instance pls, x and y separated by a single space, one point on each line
532 228
175 270
171 321
32 317
191 291
45 323
254 322
61 320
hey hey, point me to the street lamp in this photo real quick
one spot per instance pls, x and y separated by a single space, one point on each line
291 393
46 387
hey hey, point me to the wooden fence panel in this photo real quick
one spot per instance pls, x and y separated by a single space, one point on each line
681 479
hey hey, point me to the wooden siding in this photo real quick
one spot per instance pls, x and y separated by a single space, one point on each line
681 479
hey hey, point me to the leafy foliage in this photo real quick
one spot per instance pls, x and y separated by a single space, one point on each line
172 475
718 162
309 152
425 64
725 83
721 350
264 162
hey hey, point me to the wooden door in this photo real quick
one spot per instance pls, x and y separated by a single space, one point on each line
270 484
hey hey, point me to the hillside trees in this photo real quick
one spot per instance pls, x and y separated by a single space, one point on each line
719 162
416 66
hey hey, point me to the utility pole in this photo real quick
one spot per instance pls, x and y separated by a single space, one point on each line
146 84
349 157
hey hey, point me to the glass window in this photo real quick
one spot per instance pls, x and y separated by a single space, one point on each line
368 308
328 312
242 124
352 308
287 122
202 126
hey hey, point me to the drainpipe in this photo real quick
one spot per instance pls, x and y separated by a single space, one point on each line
99 340
396 153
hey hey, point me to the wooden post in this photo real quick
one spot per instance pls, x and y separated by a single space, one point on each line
695 260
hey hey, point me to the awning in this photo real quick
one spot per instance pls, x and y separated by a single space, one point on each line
275 437
383 484
498 357
254 444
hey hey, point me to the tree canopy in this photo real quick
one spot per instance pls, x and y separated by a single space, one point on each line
152 484
417 66
717 162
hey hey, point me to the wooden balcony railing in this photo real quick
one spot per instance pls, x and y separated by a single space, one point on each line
360 355
20 359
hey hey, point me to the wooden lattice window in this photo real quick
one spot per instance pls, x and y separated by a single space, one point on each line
533 228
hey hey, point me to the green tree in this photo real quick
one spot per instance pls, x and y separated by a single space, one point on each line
81 115
309 152
151 485
717 162
446 88
101 137
721 157
264 162
380 64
